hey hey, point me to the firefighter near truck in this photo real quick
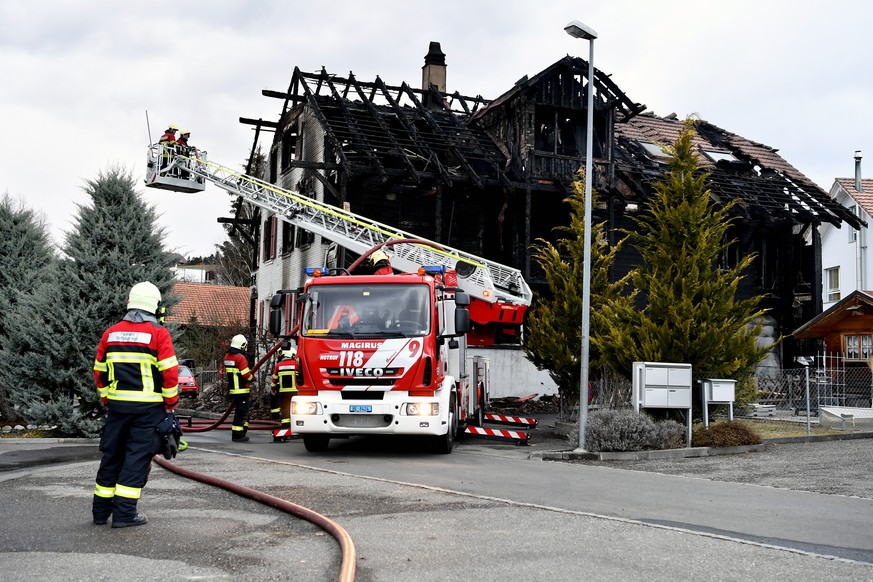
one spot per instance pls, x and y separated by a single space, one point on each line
383 353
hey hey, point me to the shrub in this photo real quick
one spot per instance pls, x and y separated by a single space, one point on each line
726 434
626 430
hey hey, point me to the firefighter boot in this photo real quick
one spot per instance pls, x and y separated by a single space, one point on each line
101 509
124 513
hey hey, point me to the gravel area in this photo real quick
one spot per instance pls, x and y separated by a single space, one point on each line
828 467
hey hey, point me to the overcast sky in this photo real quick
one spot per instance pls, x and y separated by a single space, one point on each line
79 76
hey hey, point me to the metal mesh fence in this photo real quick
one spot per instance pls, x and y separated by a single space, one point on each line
832 382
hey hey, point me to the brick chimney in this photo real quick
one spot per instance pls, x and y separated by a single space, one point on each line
434 70
858 186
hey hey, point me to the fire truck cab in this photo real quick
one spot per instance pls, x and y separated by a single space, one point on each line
381 354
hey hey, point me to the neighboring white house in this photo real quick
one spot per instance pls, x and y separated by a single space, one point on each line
847 264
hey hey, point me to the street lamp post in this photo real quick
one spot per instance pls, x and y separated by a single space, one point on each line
577 29
806 361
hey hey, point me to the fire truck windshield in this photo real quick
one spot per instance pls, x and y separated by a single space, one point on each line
367 311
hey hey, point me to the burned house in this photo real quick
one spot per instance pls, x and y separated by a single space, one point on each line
490 176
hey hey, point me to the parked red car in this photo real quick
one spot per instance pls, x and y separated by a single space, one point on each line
187 383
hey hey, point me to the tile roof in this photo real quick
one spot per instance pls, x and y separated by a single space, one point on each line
865 198
213 305
759 177
820 325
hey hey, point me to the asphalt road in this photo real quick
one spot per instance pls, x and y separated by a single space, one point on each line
485 512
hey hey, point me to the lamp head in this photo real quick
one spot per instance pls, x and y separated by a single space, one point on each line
804 360
577 29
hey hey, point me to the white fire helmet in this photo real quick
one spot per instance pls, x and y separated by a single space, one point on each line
145 296
239 342
287 352
379 255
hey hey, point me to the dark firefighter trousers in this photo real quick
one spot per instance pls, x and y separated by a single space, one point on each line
128 444
240 425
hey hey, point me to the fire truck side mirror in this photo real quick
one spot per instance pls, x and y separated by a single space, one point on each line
276 319
462 298
462 320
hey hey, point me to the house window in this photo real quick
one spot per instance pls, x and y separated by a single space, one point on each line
274 174
289 148
269 242
853 233
655 151
717 156
832 282
859 347
287 237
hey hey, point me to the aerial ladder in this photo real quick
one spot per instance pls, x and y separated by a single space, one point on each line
483 279
501 295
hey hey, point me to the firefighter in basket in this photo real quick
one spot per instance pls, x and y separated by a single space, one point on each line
283 386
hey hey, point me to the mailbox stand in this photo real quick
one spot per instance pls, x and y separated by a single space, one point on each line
717 391
662 385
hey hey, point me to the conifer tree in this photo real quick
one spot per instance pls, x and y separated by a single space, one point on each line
115 243
553 329
27 270
691 313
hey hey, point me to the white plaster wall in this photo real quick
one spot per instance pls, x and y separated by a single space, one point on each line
837 251
512 374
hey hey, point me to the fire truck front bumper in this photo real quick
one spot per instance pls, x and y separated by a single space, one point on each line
395 414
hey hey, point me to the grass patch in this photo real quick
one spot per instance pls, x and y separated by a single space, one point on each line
35 433
775 429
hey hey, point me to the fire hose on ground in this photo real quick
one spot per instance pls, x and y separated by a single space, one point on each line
347 569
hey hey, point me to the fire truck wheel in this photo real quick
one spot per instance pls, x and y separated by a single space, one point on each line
316 443
444 444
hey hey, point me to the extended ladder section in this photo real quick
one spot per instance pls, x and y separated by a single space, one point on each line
482 279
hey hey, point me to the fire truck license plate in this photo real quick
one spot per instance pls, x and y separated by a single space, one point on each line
360 408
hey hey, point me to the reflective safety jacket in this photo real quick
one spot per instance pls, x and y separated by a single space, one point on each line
236 368
169 138
284 376
136 364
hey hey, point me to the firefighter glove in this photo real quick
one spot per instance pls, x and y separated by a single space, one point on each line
171 433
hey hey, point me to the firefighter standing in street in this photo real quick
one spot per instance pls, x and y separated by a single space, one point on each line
137 375
239 379
283 387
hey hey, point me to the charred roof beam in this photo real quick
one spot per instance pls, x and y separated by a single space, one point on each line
437 128
353 126
384 126
413 133
436 95
313 103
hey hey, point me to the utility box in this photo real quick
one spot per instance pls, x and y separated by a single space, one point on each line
720 391
663 385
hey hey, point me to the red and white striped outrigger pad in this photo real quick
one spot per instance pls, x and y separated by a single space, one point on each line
282 432
499 433
510 419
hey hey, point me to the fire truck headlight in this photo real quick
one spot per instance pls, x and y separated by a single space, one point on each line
305 407
422 409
